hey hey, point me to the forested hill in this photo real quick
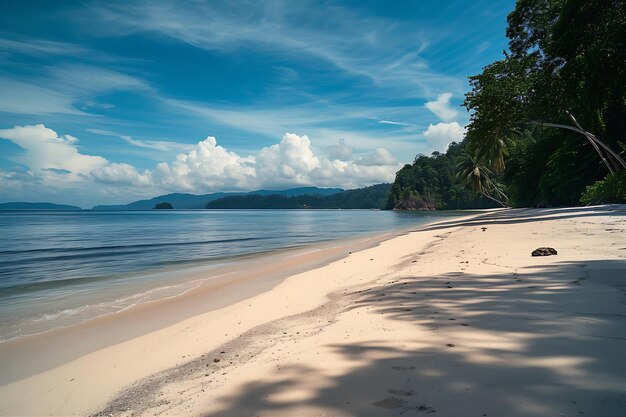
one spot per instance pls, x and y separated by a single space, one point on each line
194 201
36 206
373 197
431 182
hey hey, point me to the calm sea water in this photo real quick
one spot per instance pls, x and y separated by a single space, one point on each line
59 268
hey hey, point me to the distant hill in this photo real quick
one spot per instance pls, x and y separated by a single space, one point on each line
194 201
36 206
373 197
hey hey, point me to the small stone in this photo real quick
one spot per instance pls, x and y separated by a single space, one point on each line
544 251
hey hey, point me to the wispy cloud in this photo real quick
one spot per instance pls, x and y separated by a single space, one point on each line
24 98
38 47
159 145
327 124
387 53
390 122
63 88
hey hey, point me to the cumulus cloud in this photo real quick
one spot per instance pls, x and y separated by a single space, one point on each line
380 156
442 108
339 151
45 150
121 174
290 161
439 136
207 167
55 162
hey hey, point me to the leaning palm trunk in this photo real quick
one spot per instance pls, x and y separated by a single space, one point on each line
614 162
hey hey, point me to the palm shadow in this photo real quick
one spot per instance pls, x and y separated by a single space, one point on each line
517 216
521 344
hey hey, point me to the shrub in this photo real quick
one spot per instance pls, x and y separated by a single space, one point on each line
612 189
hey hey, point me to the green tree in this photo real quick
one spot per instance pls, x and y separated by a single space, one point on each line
565 56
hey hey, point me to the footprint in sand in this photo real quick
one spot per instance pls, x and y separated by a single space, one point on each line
400 392
402 368
391 402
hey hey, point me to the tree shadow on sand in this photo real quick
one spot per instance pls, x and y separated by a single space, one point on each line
542 341
516 216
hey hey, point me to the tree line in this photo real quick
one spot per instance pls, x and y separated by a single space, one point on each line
547 121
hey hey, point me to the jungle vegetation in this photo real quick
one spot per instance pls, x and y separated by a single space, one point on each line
547 121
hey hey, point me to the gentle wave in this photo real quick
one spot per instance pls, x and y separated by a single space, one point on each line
108 248
56 270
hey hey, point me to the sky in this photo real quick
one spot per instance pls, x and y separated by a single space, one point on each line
109 102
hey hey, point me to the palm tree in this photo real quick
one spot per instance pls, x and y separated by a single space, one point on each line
480 179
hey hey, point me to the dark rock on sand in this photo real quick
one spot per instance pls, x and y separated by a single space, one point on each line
544 251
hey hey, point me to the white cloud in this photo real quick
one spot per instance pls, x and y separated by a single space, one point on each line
208 167
290 161
380 156
55 163
391 122
339 151
442 108
439 136
121 174
45 150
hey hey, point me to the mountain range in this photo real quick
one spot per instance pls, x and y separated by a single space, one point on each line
36 206
194 201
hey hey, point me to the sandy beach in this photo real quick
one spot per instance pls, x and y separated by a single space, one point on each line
454 319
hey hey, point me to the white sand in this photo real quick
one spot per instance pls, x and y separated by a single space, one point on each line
448 321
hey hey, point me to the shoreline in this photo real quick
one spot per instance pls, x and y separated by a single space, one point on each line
311 316
165 280
223 287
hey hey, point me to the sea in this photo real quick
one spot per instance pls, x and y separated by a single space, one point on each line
59 268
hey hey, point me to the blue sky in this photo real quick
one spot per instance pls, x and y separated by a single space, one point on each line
106 102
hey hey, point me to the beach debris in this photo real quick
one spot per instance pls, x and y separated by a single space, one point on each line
544 251
391 402
450 344
483 228
216 360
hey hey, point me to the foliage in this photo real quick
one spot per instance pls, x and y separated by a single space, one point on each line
431 183
163 206
612 189
373 197
565 55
